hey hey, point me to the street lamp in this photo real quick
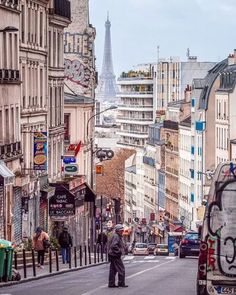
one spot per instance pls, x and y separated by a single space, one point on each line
9 29
95 115
90 141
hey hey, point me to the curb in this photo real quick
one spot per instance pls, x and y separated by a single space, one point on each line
12 283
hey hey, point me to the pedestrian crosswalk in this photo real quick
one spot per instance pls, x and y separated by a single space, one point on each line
145 259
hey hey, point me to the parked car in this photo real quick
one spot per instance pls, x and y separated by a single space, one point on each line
216 272
127 245
151 247
140 249
189 245
161 249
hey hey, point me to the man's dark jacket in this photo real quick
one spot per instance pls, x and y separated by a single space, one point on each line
116 246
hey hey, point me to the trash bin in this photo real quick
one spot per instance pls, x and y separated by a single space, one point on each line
6 255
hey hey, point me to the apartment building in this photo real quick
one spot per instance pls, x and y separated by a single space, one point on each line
176 112
135 112
185 202
10 137
171 77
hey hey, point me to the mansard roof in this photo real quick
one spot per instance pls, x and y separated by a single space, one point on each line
208 83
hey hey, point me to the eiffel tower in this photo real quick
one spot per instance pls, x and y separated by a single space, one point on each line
106 90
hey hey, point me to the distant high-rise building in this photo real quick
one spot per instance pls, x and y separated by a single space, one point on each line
106 90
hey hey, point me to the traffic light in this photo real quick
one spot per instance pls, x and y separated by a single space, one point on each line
99 169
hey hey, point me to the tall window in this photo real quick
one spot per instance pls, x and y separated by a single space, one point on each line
1 129
67 127
41 29
23 24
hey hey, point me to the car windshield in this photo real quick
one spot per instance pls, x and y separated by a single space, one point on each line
191 236
162 246
141 246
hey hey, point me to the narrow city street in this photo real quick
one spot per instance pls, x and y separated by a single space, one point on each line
145 275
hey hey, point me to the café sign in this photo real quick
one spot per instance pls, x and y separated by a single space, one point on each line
62 204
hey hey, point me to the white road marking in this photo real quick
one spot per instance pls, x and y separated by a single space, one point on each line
145 261
170 257
129 277
127 258
149 257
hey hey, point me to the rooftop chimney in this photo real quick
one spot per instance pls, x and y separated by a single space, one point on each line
231 59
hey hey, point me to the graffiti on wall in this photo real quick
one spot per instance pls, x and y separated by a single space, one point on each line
77 72
222 226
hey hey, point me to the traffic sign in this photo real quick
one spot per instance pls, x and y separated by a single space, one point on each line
69 159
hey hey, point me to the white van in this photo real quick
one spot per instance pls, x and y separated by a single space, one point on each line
217 258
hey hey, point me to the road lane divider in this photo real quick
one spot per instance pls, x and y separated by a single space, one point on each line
129 277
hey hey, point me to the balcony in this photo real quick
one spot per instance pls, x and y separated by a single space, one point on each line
8 76
62 8
10 151
13 4
135 107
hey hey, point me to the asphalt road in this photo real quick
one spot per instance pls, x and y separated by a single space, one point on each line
145 275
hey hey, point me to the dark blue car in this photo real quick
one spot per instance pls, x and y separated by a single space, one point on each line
190 245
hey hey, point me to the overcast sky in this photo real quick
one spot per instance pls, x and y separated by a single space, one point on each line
207 27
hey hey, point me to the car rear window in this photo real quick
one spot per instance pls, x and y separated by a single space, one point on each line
141 246
193 236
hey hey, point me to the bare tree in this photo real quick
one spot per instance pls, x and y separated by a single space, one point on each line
111 182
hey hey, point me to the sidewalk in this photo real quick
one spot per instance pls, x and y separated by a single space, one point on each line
48 271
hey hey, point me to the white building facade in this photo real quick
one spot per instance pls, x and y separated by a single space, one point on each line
136 107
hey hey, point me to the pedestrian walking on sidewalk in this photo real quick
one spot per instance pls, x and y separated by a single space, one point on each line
65 241
115 251
40 239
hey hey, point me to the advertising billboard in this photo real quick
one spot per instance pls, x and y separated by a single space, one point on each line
40 150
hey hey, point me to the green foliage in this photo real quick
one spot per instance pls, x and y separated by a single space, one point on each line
54 243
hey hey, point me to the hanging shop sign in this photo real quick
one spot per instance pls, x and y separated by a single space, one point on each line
71 169
62 204
40 150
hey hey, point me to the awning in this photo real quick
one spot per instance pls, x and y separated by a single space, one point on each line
6 173
90 195
49 190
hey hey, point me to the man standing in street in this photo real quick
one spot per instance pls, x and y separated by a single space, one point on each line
65 241
115 251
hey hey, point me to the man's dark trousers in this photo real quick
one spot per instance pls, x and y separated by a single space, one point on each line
116 266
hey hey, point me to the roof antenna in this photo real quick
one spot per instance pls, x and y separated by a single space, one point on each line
188 52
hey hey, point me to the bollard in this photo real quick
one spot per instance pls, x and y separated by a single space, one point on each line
57 260
98 253
85 255
102 252
89 252
80 255
50 261
106 253
95 254
75 256
15 259
33 263
69 254
24 264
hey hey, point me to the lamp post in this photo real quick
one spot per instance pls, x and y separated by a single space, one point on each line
90 142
